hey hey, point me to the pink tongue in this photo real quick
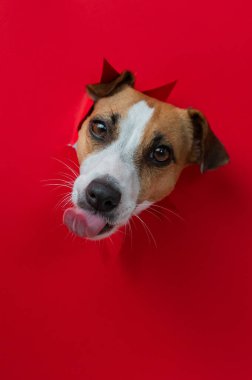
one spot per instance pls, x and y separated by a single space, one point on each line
83 223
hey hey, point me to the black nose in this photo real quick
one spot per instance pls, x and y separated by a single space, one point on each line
102 196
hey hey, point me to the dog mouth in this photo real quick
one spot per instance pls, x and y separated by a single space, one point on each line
85 224
108 227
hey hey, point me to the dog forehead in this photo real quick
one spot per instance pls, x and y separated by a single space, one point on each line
129 102
142 117
134 124
167 121
120 102
134 114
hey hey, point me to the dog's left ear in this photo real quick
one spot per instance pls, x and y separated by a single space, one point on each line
207 150
100 90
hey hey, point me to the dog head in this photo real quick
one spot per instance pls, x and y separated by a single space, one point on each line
132 149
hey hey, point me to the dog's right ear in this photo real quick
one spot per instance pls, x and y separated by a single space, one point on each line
207 150
100 90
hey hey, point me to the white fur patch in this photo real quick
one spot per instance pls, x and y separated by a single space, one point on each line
133 126
117 161
142 206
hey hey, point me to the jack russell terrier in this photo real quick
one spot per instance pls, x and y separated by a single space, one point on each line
132 149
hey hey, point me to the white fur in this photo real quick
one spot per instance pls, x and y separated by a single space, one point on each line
142 206
117 161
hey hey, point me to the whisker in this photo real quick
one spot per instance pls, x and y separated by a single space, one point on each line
152 213
62 162
120 231
169 210
125 233
133 222
77 166
147 229
111 241
130 232
162 215
63 202
57 181
58 185
68 176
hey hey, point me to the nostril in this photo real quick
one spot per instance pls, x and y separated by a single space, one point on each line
92 195
108 204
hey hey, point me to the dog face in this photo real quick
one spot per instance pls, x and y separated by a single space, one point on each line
132 149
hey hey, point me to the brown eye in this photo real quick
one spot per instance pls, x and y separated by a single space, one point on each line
161 154
98 129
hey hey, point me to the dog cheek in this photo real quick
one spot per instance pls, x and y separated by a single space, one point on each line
156 185
74 196
78 188
84 145
127 178
142 206
145 186
135 186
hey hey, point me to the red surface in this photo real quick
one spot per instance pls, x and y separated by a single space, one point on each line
124 309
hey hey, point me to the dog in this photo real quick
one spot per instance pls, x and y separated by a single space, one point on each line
132 149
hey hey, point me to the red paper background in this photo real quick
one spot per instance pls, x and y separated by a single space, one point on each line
123 309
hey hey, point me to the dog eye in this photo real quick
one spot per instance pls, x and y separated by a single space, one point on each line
98 129
161 154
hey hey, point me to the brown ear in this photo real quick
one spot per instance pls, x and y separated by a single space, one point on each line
101 90
207 150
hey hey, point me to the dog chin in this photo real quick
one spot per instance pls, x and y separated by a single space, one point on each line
105 234
110 229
